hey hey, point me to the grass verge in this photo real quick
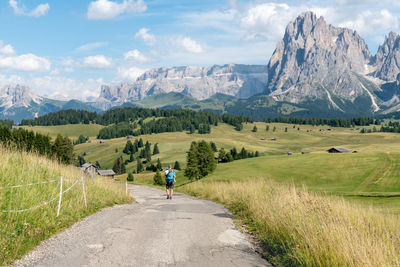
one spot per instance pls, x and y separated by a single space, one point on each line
20 232
300 228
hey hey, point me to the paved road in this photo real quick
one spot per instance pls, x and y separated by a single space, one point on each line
154 231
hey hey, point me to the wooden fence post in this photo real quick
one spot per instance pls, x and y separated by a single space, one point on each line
84 192
59 201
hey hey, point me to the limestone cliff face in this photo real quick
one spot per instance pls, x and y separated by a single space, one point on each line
317 60
387 59
17 96
242 81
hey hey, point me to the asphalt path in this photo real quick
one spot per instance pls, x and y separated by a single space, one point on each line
154 231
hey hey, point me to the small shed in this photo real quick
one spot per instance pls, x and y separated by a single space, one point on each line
290 153
262 139
129 137
273 139
102 142
106 173
89 169
338 150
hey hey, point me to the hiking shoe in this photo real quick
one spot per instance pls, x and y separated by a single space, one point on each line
170 197
167 196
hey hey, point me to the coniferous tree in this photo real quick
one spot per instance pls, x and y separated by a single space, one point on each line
98 165
131 158
157 178
267 128
128 148
177 166
274 129
130 177
159 166
156 150
254 129
213 146
119 166
222 155
81 161
200 160
140 143
139 166
285 129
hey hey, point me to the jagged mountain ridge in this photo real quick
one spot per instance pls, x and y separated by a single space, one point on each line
317 69
242 81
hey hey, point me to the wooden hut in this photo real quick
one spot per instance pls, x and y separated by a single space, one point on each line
338 150
106 173
89 169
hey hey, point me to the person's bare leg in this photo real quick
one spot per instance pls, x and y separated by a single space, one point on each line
172 192
167 191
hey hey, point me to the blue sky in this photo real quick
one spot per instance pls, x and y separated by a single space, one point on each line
67 49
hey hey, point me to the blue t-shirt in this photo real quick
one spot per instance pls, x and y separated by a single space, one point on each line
170 175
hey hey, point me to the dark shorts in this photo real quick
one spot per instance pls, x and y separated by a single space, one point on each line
170 184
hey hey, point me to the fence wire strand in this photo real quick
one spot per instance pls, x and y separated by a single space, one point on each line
44 203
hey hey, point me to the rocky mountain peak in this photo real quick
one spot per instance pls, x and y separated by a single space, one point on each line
17 96
387 59
315 59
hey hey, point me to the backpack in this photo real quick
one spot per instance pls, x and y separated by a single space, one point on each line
170 175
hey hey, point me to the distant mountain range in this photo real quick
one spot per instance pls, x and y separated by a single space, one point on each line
316 70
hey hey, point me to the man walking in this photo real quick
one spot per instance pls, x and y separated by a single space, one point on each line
170 179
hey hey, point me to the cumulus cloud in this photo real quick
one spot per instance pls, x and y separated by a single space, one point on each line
137 57
97 62
106 9
147 37
38 11
6 50
129 74
189 45
369 22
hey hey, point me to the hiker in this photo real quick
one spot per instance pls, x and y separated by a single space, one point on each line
170 176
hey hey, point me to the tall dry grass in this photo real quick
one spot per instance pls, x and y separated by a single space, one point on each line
300 228
19 232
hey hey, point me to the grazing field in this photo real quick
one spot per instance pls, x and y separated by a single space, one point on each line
71 130
21 231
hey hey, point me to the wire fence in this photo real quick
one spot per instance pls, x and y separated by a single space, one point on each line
59 198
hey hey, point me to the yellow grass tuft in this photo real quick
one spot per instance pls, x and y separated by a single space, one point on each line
19 232
297 227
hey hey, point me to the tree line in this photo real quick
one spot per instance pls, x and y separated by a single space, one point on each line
24 140
7 123
339 122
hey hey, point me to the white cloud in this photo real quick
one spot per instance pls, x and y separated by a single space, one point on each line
137 57
38 11
6 50
368 22
91 46
97 62
189 45
147 37
129 74
105 9
26 62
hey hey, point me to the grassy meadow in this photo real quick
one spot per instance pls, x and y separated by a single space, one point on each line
71 130
315 209
20 232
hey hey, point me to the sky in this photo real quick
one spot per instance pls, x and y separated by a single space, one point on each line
68 49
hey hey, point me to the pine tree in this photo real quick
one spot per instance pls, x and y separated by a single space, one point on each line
267 128
254 129
159 165
157 178
131 158
130 177
285 129
274 129
200 160
119 166
81 161
177 166
128 147
139 166
222 155
140 143
213 146
156 150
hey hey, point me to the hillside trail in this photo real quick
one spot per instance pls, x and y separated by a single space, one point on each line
153 231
